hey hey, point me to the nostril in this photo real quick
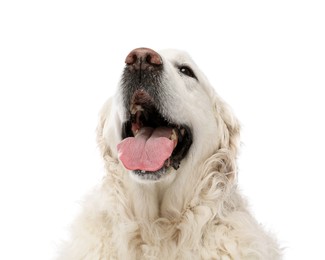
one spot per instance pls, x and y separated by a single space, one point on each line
131 58
154 59
148 59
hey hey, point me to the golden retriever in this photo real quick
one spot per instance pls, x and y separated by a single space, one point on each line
169 143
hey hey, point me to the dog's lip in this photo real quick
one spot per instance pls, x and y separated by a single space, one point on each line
152 176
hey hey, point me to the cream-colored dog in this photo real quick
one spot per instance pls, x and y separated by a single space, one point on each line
170 191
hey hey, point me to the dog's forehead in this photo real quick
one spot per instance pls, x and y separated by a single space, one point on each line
175 55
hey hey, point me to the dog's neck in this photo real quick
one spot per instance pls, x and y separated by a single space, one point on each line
168 198
153 200
171 197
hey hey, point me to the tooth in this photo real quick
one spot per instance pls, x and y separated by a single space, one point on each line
167 162
174 137
135 108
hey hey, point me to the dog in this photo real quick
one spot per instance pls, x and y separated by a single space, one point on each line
169 144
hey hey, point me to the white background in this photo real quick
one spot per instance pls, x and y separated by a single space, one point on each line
60 60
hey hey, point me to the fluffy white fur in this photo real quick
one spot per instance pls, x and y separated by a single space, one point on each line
195 212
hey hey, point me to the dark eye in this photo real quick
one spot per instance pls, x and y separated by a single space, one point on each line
187 71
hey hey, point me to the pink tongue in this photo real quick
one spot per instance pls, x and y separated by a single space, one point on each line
148 150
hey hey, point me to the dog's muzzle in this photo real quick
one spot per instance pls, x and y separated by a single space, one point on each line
151 142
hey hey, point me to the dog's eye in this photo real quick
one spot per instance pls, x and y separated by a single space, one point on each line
187 71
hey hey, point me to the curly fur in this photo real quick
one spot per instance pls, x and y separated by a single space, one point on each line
199 214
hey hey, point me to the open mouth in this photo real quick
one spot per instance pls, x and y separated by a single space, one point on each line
151 144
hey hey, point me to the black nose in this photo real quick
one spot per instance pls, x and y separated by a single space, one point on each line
143 58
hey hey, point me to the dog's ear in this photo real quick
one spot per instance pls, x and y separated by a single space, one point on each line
101 139
228 135
229 127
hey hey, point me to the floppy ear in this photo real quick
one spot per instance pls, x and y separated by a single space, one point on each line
228 126
224 160
101 141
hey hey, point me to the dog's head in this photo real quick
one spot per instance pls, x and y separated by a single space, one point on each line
165 117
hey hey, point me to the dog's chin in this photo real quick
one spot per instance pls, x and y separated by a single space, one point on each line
155 176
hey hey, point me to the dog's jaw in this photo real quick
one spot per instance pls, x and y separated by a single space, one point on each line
160 176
